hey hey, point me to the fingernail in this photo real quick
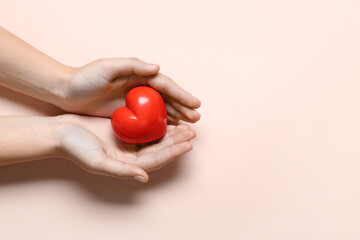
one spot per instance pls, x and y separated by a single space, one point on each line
152 66
139 178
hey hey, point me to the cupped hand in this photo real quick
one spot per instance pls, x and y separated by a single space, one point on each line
91 144
100 87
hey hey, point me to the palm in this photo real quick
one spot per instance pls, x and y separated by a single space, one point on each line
89 139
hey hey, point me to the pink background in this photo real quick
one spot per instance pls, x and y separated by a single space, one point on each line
277 153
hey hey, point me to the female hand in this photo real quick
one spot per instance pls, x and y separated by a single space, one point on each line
99 88
96 89
91 144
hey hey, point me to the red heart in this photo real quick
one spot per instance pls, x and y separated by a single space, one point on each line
143 119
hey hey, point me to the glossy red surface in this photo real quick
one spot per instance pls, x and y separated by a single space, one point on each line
143 119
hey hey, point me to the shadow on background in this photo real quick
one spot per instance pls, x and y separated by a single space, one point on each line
100 187
103 188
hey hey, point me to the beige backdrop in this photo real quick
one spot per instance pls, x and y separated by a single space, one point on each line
277 154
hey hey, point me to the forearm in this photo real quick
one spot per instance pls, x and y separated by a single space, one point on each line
29 71
28 138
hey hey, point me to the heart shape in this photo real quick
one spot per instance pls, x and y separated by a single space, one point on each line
143 119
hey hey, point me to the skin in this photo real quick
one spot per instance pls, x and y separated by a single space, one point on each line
100 87
95 90
90 143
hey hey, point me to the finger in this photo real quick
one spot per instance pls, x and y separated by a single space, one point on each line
184 113
156 160
149 147
172 112
173 121
170 128
115 67
118 169
166 85
179 137
177 129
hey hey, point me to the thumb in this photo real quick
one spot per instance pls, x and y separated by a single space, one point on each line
124 66
120 169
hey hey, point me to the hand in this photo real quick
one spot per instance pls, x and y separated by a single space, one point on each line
97 89
91 144
100 87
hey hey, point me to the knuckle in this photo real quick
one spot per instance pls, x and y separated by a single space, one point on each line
134 59
105 63
120 174
122 171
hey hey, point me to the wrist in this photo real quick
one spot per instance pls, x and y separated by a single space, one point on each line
63 126
57 89
36 137
49 132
